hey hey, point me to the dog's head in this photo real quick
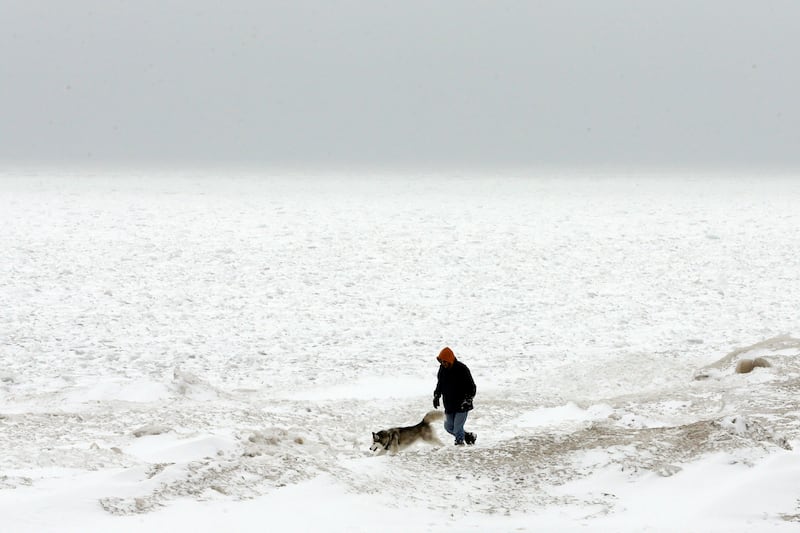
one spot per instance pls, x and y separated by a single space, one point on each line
379 440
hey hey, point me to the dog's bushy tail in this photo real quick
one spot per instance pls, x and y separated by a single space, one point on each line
432 415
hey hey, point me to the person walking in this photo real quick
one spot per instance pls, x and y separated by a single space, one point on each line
455 384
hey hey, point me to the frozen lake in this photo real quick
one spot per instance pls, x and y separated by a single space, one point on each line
262 327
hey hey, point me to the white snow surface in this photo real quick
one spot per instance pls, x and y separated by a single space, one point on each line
212 352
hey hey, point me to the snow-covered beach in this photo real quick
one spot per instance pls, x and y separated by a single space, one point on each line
212 353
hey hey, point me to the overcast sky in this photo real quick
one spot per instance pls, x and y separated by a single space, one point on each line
395 84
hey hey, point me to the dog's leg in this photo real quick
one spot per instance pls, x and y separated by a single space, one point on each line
432 438
429 436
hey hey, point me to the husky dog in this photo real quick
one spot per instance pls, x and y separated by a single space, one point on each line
395 439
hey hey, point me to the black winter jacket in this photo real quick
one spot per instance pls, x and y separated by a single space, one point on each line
455 384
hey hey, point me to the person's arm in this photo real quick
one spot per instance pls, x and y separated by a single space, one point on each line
472 388
438 390
437 393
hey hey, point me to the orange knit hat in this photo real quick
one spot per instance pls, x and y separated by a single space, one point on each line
446 356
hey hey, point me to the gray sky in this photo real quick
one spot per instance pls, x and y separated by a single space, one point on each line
395 84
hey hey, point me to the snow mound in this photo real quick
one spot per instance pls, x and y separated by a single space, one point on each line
191 386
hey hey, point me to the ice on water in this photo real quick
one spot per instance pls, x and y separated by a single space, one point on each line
186 349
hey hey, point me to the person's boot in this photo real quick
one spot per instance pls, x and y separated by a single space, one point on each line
459 443
470 438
